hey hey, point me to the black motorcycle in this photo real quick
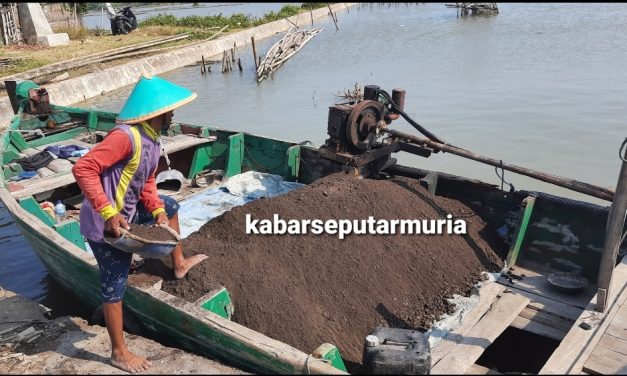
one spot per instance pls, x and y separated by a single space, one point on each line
124 21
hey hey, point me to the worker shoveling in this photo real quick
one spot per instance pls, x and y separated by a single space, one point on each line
309 289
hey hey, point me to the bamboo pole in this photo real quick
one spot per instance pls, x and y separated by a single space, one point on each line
575 185
613 237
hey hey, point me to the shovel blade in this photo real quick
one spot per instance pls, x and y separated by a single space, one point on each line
170 180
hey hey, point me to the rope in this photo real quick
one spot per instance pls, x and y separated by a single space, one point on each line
502 176
620 151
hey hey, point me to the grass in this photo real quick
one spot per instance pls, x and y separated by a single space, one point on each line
83 42
235 21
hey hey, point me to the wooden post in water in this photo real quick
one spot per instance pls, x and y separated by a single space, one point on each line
333 16
203 69
252 39
613 236
239 64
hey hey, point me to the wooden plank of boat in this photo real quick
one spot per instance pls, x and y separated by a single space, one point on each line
576 347
487 294
609 357
535 281
604 361
30 151
60 165
184 141
45 184
64 176
45 172
536 325
476 369
504 310
550 306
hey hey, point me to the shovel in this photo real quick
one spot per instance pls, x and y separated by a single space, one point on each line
153 249
171 180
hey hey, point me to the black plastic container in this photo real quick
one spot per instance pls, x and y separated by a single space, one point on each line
390 351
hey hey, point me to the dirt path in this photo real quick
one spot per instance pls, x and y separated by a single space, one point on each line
32 344
306 290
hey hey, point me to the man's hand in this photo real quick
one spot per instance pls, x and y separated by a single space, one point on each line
162 218
113 224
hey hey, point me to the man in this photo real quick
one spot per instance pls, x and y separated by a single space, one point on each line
111 15
117 178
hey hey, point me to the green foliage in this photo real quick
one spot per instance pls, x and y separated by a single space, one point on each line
81 8
235 21
307 6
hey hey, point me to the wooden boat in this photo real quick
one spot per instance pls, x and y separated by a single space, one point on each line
548 234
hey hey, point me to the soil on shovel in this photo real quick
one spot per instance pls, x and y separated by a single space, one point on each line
306 290
158 234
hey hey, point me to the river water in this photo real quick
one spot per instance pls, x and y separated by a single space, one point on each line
538 85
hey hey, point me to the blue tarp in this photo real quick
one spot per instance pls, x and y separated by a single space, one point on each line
198 209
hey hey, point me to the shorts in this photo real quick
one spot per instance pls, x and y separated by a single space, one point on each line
114 264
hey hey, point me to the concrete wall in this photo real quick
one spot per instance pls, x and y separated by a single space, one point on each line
90 85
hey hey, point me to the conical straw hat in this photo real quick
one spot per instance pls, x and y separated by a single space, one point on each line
153 96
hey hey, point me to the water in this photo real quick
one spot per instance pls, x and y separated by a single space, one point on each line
95 19
538 85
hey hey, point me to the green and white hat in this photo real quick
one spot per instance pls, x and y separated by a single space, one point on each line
153 96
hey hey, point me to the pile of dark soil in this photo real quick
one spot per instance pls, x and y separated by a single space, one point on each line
306 290
154 233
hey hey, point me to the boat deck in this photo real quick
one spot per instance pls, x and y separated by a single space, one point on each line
531 305
609 355
58 172
597 343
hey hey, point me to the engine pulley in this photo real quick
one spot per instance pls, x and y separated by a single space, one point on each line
362 123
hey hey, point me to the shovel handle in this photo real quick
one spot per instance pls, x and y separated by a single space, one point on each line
171 230
165 155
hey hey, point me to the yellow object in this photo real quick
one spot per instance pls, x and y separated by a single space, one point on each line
50 212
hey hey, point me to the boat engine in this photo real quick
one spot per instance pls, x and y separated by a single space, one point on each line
352 126
356 131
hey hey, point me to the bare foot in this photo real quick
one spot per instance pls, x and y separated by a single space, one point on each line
180 272
129 362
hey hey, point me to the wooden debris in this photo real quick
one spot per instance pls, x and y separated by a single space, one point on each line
355 94
282 50
474 7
